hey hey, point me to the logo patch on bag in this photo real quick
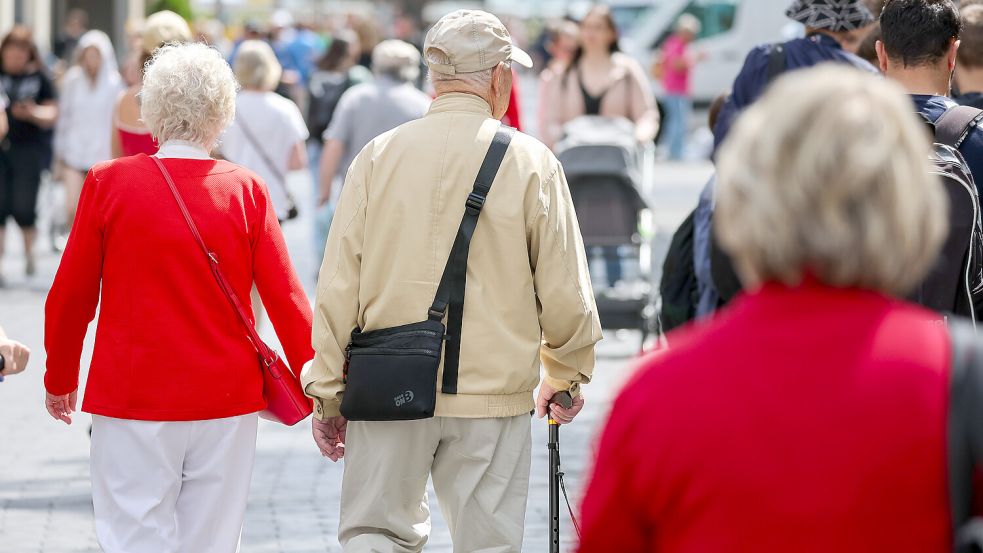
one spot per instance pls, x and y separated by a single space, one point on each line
404 398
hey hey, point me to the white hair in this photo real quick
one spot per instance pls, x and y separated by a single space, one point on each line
479 81
256 66
189 93
689 22
829 175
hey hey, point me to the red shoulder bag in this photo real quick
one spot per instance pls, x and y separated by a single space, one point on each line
285 399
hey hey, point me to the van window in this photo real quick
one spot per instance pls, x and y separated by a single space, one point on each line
716 16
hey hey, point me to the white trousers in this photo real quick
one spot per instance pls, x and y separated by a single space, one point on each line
480 471
171 487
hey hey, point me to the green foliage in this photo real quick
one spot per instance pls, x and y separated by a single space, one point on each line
180 7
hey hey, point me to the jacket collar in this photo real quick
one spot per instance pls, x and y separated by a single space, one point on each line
460 102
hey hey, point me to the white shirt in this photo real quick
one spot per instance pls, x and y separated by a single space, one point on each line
181 149
85 118
277 126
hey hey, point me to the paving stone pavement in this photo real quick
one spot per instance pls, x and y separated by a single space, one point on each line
45 503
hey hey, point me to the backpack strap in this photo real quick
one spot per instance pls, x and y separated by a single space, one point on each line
450 292
965 427
776 62
956 123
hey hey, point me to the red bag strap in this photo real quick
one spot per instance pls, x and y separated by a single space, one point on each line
268 354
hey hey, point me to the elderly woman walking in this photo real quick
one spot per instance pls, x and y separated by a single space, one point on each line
174 386
268 134
810 416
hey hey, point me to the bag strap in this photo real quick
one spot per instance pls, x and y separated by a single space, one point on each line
450 292
255 145
965 431
776 62
956 123
268 355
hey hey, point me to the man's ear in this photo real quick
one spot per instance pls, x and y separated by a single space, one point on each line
497 78
881 56
953 53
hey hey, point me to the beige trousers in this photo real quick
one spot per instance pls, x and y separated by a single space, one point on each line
480 470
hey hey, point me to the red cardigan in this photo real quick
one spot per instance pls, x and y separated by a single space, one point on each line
168 345
806 420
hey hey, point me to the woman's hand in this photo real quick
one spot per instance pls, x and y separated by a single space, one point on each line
61 407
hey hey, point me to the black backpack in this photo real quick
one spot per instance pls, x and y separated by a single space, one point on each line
725 278
678 287
325 93
955 283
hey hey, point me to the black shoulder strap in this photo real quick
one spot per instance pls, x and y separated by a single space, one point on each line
965 426
955 125
450 292
776 62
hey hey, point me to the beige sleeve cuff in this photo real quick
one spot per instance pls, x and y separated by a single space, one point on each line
324 409
562 385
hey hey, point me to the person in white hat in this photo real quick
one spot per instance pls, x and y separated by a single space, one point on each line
528 304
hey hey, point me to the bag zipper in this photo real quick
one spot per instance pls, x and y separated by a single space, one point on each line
395 351
409 333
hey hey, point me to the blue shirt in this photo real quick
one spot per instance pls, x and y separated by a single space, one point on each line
752 81
972 149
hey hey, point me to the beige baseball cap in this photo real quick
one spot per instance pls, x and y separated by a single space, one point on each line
473 40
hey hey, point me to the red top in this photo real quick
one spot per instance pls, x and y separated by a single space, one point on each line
805 420
168 345
133 143
513 116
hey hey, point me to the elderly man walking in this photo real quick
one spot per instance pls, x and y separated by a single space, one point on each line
409 196
364 112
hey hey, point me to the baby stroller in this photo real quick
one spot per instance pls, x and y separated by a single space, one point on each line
608 170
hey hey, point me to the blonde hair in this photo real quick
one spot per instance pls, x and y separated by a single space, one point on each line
689 23
829 175
164 27
256 66
189 93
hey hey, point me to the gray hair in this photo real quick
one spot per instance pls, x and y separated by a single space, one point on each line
189 93
829 175
479 81
256 66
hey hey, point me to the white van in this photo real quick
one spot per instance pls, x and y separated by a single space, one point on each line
731 28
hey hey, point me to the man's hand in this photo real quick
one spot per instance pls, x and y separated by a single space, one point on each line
329 435
559 414
23 110
15 356
61 407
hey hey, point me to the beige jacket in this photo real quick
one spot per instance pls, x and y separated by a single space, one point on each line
529 299
629 96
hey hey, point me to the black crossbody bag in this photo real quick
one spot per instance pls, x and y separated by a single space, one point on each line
391 374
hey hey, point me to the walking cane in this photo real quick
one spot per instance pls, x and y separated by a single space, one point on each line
564 400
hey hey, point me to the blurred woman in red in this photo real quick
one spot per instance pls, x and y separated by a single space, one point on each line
810 416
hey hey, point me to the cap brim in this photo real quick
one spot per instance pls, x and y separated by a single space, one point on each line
521 57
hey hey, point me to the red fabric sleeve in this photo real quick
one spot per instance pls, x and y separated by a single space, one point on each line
612 515
513 115
279 287
74 295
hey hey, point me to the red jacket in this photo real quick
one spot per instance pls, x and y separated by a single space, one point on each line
168 345
807 420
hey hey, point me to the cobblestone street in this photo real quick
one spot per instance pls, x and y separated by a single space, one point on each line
45 504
